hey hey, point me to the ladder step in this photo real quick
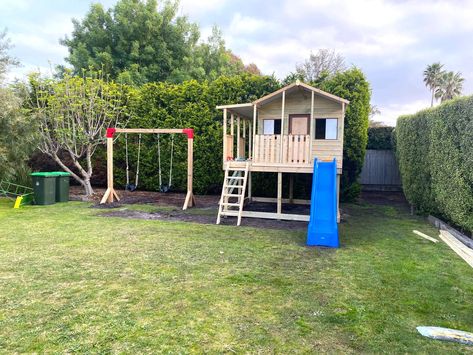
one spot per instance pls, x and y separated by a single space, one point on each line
230 213
230 204
235 178
231 195
236 169
233 186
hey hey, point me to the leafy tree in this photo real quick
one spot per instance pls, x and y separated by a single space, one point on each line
450 86
135 43
432 78
133 37
15 133
6 60
325 63
72 115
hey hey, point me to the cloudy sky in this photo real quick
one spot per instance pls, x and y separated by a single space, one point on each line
391 41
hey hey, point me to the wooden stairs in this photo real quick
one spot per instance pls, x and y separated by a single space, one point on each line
233 192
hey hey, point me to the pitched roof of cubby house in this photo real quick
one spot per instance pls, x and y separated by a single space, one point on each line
247 110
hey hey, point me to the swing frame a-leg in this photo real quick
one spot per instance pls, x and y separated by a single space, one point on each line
111 195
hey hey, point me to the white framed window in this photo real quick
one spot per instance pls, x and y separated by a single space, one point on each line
272 126
326 128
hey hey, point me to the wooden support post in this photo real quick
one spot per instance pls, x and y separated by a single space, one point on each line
190 201
232 118
110 193
279 197
238 137
250 142
250 197
244 139
311 127
254 129
232 133
338 198
224 135
281 145
291 188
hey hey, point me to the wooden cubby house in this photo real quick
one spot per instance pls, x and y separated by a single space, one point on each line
283 133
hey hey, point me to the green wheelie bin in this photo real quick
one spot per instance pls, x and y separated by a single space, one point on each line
62 186
44 188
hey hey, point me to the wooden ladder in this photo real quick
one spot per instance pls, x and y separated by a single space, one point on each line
234 187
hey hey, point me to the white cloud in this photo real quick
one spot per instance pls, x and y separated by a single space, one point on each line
391 112
247 25
39 44
197 8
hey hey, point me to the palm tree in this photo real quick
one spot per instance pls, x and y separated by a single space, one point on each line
451 85
432 76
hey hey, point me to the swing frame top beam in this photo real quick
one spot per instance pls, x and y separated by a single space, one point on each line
111 194
188 131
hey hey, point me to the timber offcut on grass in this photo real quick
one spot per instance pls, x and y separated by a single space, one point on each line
458 247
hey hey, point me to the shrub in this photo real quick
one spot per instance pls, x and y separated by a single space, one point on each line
353 86
190 104
436 160
380 138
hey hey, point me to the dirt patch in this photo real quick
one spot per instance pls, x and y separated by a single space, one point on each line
205 211
385 198
204 216
144 197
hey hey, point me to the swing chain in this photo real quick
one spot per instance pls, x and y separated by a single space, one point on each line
131 187
126 160
138 162
165 188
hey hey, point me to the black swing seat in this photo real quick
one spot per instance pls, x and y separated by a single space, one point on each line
165 188
130 187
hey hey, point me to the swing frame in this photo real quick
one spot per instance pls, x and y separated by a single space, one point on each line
111 195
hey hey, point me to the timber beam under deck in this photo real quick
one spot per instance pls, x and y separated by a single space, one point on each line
274 167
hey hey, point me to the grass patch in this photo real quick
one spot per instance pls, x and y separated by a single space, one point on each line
73 281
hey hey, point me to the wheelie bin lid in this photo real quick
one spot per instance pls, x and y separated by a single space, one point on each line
61 173
44 174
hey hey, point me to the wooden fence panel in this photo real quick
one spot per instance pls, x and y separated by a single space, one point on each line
380 171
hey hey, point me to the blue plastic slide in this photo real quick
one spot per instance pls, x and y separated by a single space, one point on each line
323 228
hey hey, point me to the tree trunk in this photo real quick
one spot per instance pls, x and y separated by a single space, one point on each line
85 181
88 187
432 100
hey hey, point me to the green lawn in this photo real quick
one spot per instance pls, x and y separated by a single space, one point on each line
72 281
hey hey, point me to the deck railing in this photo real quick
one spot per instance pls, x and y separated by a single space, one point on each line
295 150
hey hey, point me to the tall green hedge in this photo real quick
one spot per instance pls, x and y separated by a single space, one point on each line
435 153
187 105
192 104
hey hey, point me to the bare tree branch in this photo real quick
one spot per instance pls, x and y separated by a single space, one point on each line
73 114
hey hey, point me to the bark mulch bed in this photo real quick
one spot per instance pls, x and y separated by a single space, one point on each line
205 211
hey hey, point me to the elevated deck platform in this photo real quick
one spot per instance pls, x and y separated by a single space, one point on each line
272 167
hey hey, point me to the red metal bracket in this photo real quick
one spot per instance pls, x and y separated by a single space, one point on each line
189 132
110 132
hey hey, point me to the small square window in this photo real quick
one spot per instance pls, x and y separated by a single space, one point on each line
271 126
326 128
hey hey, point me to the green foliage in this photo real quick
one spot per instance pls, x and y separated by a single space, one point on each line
16 138
71 116
136 43
380 138
187 105
15 133
353 86
436 160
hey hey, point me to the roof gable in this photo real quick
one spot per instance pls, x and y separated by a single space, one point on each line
298 84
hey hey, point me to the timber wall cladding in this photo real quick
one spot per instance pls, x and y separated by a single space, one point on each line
298 102
380 170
